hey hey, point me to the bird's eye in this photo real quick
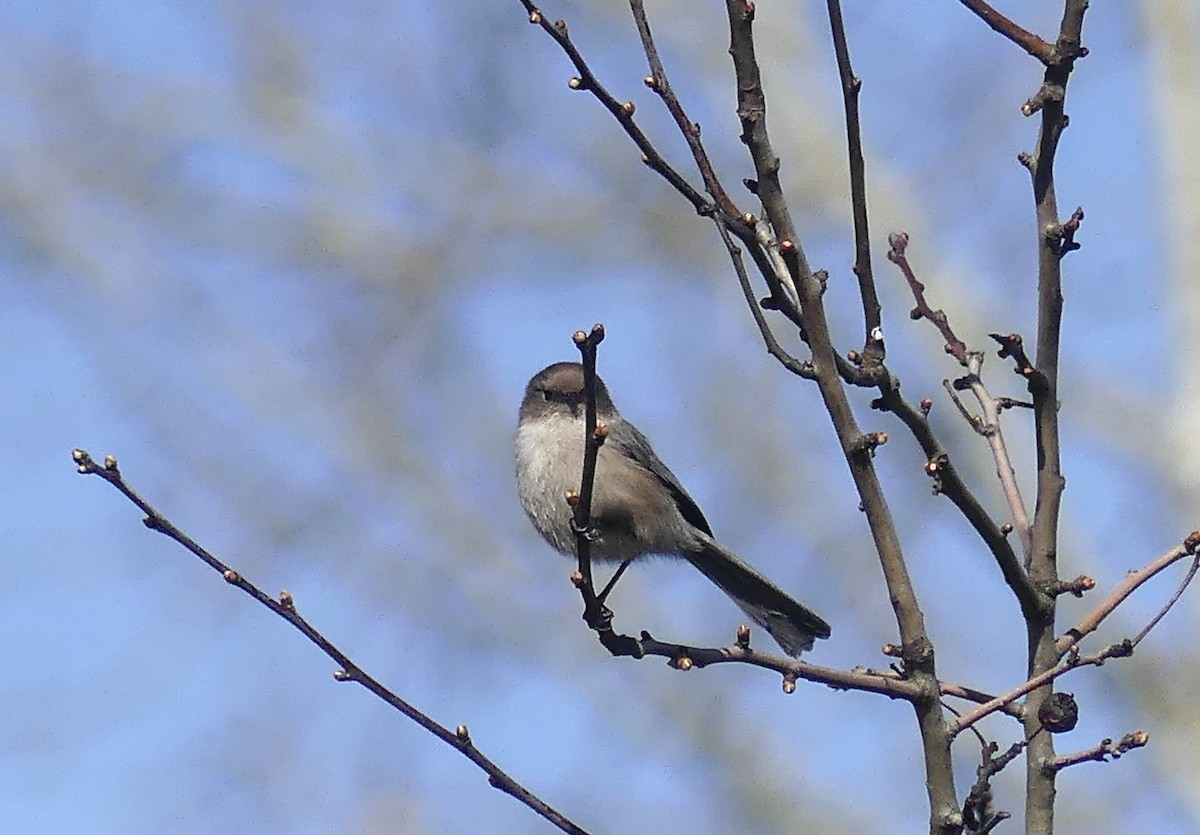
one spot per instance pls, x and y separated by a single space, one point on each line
571 398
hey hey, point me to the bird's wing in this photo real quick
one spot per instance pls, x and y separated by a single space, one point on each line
634 445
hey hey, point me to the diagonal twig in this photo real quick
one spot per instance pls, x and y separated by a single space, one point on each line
1022 37
1069 659
459 739
657 81
622 111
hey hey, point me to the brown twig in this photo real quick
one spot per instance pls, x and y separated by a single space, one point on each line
1070 662
1075 587
898 255
685 657
1023 38
949 482
597 615
990 429
988 426
1069 657
285 606
873 347
791 363
657 81
1105 751
621 111
1132 582
1012 345
594 435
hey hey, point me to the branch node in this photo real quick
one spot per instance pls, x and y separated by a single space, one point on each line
681 662
868 443
1075 587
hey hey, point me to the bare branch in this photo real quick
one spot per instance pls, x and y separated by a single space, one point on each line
918 650
990 429
897 254
1071 662
1107 750
873 349
1043 386
458 739
1023 38
657 81
791 363
1069 642
622 111
1132 582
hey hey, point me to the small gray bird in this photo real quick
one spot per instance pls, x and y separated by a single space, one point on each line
638 506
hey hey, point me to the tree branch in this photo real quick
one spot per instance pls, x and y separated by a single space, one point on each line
621 111
873 346
918 650
458 739
657 81
1043 386
1132 582
1069 642
1105 751
1023 38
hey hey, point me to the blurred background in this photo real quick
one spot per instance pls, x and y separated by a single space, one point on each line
294 262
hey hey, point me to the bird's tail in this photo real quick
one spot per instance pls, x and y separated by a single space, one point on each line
792 625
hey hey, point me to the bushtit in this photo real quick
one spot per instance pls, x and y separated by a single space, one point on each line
638 506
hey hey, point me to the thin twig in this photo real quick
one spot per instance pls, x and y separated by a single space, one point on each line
1069 659
458 739
1069 663
1017 579
851 87
1023 38
1105 751
1004 469
581 502
657 81
989 425
1133 581
949 482
622 111
898 255
791 363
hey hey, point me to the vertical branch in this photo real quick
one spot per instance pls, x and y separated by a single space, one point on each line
581 502
917 649
1043 385
851 87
